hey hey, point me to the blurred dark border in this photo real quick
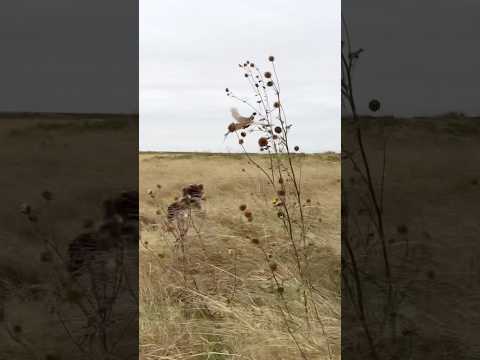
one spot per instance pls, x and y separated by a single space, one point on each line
69 185
410 180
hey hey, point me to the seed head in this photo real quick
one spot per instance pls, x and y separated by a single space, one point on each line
240 141
248 214
232 127
243 134
270 83
255 241
47 195
278 129
243 207
268 75
280 289
263 142
246 75
17 329
273 266
276 104
296 148
374 105
281 192
271 58
25 209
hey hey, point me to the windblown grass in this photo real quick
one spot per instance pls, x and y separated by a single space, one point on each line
232 310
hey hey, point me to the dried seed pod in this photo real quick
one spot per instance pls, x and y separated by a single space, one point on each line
374 105
263 141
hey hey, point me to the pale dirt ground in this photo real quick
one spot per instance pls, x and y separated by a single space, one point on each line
245 323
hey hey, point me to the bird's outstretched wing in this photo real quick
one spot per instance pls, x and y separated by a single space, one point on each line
236 115
243 122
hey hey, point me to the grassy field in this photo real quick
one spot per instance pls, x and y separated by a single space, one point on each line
82 161
228 308
431 193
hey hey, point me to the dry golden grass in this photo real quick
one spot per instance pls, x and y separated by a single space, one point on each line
229 308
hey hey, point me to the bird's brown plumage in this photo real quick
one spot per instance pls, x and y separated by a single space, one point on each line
242 122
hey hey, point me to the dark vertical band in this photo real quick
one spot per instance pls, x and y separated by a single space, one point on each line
410 180
69 183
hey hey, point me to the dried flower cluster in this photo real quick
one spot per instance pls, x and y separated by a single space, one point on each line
192 196
268 117
92 277
270 129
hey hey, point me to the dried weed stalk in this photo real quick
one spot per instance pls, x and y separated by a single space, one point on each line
269 126
90 280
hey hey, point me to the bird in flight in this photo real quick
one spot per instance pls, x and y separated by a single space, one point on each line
242 122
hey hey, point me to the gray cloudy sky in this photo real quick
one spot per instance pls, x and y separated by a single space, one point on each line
189 53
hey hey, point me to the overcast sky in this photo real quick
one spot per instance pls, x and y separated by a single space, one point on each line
189 54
